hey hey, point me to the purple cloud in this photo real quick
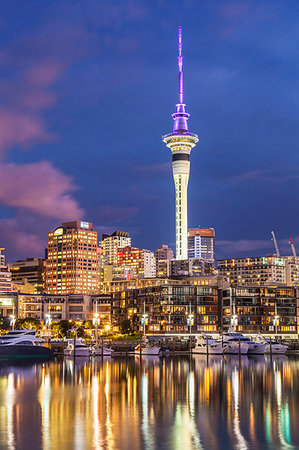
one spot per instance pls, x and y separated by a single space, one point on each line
39 187
19 242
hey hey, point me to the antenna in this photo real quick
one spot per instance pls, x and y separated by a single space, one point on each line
180 64
293 247
275 243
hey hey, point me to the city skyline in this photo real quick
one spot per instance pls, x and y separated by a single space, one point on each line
69 85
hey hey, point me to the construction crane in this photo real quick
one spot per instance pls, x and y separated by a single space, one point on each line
275 243
292 246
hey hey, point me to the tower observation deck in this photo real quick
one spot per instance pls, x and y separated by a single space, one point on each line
181 142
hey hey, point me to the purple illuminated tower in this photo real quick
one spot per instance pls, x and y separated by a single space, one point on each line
181 142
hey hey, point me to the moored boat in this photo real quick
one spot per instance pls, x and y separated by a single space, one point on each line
23 344
147 349
76 348
102 351
207 345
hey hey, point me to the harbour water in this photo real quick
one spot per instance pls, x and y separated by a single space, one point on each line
150 403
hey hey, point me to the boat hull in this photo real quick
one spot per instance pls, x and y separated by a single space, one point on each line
148 351
276 349
25 351
233 348
105 352
79 352
256 349
212 350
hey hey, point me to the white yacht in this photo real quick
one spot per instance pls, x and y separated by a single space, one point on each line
277 349
234 345
147 349
22 343
204 341
98 351
254 347
76 348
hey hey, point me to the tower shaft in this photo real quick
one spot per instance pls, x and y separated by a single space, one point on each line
181 142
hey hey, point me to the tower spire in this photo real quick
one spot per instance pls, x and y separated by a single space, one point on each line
181 142
180 64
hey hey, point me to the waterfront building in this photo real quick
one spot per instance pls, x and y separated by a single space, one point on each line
163 256
32 270
261 309
141 261
5 275
169 308
60 307
110 244
72 263
201 243
181 142
254 271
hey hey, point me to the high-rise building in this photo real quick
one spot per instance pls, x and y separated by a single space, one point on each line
5 275
292 270
141 261
163 256
181 142
201 243
257 271
72 264
32 270
110 244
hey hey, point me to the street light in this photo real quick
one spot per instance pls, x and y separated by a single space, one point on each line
144 322
190 321
234 321
276 323
48 323
12 321
96 321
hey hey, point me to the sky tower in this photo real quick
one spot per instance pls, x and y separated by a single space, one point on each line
181 142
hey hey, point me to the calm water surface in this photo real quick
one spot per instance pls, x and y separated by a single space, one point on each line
163 403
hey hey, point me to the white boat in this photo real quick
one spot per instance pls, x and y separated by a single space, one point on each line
254 347
22 343
147 349
99 351
76 348
277 349
234 345
201 343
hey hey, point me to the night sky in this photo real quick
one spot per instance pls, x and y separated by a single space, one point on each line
87 89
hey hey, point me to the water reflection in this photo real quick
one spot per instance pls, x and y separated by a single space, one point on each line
167 403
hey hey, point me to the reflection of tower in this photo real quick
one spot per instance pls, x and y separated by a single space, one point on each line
180 142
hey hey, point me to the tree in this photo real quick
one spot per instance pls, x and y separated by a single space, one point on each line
4 324
30 323
126 327
62 328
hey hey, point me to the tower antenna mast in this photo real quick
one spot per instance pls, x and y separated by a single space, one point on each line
180 64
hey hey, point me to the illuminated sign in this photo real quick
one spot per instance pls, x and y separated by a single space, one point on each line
85 225
58 231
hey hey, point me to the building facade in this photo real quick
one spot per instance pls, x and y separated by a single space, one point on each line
254 271
5 274
60 307
141 262
181 142
252 309
201 243
168 308
163 256
72 262
32 270
110 244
